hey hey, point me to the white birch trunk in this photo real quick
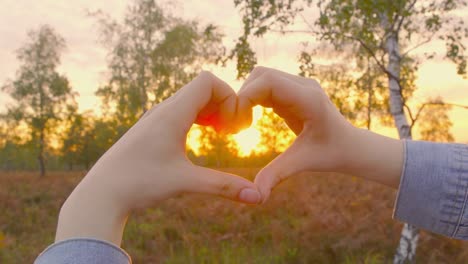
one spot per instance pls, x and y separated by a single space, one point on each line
409 236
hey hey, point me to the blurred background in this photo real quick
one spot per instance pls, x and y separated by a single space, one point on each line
75 76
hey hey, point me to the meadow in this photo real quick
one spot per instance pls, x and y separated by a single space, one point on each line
319 218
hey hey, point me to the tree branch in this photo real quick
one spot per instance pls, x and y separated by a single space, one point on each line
448 104
374 56
422 43
409 9
410 113
292 31
306 22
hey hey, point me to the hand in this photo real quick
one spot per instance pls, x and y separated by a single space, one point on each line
326 141
148 164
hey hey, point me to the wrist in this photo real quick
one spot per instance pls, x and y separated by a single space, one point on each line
373 156
346 149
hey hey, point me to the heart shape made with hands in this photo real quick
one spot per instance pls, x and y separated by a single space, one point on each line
301 102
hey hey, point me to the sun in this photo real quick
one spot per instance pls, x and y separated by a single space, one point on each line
247 140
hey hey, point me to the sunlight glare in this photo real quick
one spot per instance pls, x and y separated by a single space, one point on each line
247 140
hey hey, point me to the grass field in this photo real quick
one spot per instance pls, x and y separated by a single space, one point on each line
309 219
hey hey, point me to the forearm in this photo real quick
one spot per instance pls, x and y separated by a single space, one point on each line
432 178
90 213
373 157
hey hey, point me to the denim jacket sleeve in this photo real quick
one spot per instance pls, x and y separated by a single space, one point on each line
433 191
83 251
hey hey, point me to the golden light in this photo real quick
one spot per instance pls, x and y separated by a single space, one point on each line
247 140
193 140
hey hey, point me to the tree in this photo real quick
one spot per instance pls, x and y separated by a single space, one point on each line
385 32
151 55
436 124
217 147
78 144
98 139
40 93
275 135
357 98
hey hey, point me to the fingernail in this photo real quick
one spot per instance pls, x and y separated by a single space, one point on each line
250 196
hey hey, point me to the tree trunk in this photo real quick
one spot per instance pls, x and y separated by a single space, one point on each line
409 236
40 156
369 106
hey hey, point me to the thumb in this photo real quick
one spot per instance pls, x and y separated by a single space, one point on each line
204 180
294 160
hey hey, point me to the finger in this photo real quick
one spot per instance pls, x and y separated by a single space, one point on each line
206 100
204 180
220 110
293 123
161 104
245 110
260 70
271 89
287 164
254 74
291 100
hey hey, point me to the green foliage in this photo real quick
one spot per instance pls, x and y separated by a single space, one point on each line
151 55
85 139
41 95
357 31
359 98
245 56
15 155
258 17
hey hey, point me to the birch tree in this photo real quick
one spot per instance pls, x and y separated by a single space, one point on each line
41 95
386 32
360 99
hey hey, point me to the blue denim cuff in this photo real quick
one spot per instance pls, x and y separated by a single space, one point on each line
433 191
83 251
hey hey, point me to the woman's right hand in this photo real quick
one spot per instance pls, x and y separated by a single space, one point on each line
326 140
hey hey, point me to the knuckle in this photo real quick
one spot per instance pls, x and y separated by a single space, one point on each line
268 74
207 78
206 75
258 70
314 83
278 174
268 77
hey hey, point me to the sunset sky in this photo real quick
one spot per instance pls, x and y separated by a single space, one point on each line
85 59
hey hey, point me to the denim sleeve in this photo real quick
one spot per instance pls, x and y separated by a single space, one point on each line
83 251
433 191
